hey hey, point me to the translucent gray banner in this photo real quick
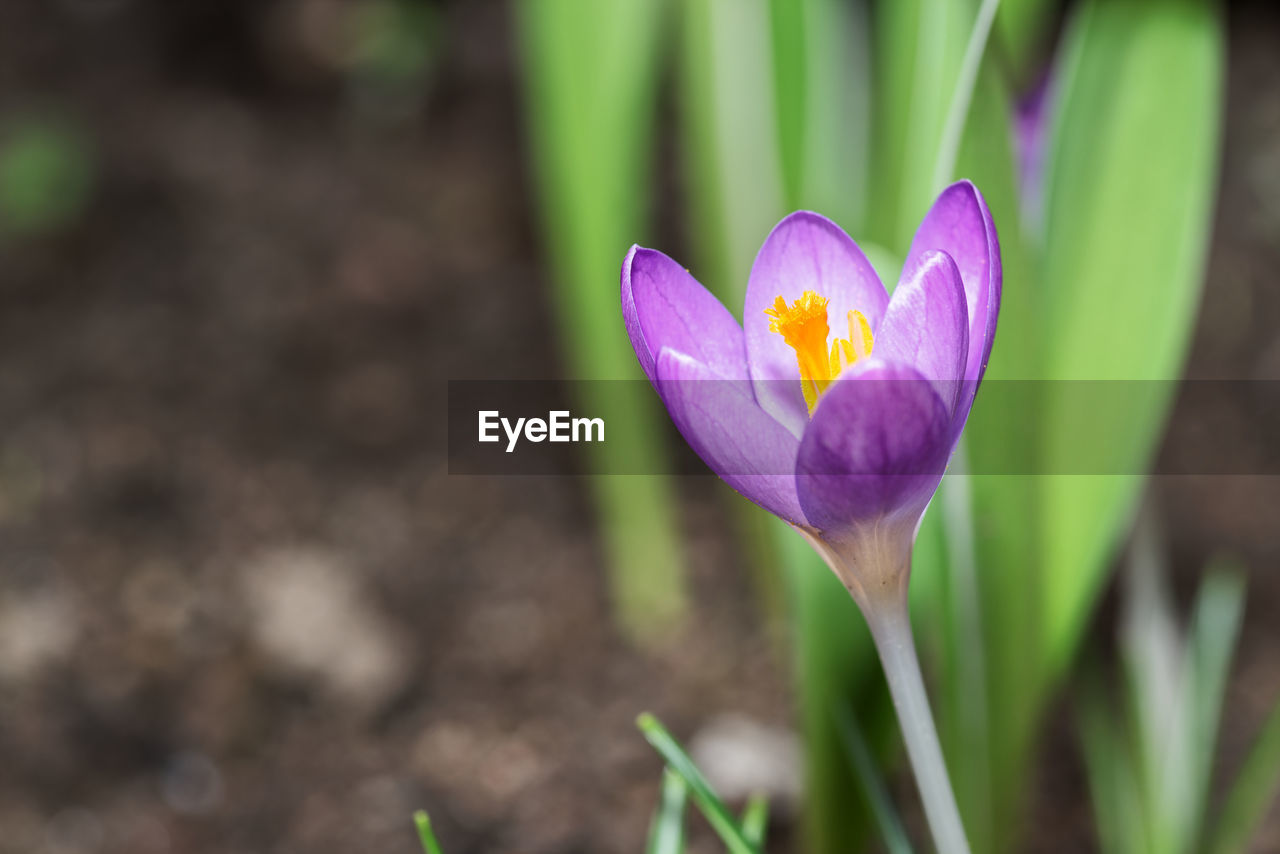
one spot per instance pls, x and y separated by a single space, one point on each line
1214 427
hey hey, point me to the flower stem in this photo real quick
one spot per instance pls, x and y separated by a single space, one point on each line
891 628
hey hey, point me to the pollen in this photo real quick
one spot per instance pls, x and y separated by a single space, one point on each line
803 325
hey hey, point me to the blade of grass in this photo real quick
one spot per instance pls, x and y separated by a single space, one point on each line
666 832
1153 653
717 814
755 820
1215 626
1253 793
425 835
1112 773
892 833
962 95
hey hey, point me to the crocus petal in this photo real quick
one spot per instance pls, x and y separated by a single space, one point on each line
664 306
875 449
960 224
926 326
1030 137
803 252
738 440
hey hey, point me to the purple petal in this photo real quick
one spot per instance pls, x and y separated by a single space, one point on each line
876 448
664 306
803 252
738 440
960 224
926 326
1031 137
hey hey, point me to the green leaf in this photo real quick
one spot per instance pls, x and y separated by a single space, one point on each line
1215 626
822 76
1021 28
1154 676
1130 187
591 72
717 814
1253 793
425 835
729 131
666 832
1112 773
755 820
874 790
918 49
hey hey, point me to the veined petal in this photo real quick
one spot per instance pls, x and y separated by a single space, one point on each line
926 326
804 252
738 440
876 448
664 306
960 224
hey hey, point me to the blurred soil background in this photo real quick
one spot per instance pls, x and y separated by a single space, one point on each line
243 608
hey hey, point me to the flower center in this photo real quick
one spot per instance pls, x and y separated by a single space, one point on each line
803 325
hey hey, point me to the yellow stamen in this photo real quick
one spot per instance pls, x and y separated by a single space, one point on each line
803 325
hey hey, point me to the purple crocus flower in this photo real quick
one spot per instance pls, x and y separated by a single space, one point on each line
843 435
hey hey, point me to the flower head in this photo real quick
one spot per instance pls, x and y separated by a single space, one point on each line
843 435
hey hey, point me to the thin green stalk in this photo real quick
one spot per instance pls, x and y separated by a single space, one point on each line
873 788
666 832
425 835
755 820
962 95
717 815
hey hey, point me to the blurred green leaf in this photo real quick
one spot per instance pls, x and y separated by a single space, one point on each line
1252 794
1130 188
591 72
918 49
717 814
790 85
1021 28
1112 774
1153 652
755 820
1215 626
874 790
1151 778
730 131
46 175
425 834
666 832
821 62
